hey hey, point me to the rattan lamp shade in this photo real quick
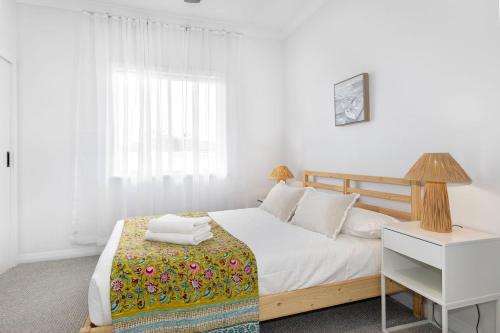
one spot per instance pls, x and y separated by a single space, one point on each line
281 173
435 170
438 167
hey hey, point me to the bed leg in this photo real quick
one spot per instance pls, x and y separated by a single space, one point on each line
418 306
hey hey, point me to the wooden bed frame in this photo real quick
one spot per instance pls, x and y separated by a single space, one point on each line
308 299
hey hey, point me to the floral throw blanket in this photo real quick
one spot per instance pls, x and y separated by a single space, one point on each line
160 287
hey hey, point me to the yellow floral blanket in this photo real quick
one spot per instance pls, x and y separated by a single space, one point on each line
160 287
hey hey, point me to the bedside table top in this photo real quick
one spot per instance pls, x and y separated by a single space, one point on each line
457 236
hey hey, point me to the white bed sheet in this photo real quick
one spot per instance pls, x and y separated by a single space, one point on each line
288 257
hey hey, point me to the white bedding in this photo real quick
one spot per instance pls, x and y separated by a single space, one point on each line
288 257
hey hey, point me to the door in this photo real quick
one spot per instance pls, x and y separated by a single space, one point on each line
7 252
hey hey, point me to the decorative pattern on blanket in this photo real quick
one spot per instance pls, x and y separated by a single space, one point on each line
160 287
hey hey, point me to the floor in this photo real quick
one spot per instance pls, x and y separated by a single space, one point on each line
29 303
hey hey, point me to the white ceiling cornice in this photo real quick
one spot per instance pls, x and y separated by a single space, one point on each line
302 17
247 29
161 15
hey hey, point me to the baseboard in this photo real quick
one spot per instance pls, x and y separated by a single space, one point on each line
4 269
25 258
458 325
455 323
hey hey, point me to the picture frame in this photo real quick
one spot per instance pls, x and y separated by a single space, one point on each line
352 100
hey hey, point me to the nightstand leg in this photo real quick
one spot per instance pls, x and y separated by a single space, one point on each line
382 296
444 319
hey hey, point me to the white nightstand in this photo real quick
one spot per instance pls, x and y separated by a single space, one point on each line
454 270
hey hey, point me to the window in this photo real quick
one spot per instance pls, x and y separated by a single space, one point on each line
167 124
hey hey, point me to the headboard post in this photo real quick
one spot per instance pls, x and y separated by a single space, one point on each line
306 178
347 184
416 200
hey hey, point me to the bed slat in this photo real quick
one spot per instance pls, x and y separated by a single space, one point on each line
387 211
325 186
361 178
381 195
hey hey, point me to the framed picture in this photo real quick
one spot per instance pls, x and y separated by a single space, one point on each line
352 103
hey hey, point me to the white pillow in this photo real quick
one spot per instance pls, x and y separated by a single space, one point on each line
365 223
282 201
324 213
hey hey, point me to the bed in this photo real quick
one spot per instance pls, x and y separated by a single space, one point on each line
305 270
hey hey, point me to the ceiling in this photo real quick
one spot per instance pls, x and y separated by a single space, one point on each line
273 17
276 15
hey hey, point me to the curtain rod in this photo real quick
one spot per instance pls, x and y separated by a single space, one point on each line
186 27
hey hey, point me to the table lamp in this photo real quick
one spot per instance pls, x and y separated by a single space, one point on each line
435 170
281 173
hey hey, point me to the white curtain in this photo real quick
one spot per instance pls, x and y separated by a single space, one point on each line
156 122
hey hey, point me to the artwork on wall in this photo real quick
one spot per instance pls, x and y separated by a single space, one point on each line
352 103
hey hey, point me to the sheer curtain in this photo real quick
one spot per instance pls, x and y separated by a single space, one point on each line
156 122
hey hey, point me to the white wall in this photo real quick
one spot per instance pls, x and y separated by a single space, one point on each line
47 53
261 122
434 70
8 28
8 227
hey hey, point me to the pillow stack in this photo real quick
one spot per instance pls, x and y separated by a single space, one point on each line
325 213
310 209
179 230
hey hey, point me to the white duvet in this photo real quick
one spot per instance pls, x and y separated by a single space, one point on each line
288 257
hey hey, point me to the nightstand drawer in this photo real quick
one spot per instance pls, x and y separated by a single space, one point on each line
415 248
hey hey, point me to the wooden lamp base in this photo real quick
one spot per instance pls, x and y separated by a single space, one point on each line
436 214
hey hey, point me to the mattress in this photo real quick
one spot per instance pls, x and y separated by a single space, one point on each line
288 257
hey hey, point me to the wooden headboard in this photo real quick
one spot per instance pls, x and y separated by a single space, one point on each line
312 179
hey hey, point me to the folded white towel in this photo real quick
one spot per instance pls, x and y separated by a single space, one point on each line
177 224
182 239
